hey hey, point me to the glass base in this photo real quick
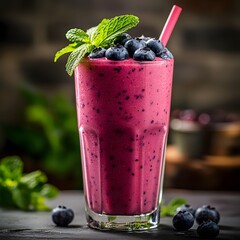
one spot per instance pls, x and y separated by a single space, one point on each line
123 222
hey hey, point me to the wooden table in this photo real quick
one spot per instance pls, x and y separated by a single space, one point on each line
38 225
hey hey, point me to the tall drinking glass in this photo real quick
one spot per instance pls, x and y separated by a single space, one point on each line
123 112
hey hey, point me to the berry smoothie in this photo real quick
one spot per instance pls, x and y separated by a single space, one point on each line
123 112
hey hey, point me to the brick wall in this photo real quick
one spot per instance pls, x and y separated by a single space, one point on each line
205 44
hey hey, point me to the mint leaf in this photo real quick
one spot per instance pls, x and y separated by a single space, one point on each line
170 208
34 179
11 168
77 35
76 56
49 191
92 32
71 47
102 35
27 192
111 218
110 29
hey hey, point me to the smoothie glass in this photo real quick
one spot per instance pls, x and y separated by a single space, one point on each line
123 110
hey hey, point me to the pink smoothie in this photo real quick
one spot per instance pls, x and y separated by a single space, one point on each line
123 118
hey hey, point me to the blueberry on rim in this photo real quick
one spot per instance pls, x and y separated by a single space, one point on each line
155 45
132 45
117 52
123 38
144 54
165 54
97 53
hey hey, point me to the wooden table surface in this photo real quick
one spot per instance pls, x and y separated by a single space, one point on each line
38 225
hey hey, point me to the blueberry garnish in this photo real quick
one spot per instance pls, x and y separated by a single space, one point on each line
97 53
144 54
123 38
117 52
206 213
208 229
62 216
132 45
186 207
155 45
183 221
143 38
165 54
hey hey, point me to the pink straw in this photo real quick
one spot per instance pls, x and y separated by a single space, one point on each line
170 24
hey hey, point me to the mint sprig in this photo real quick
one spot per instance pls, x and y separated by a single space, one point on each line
102 35
171 207
23 191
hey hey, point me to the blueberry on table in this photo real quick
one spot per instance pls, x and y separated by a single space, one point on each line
144 54
186 207
208 229
123 38
206 213
62 216
97 53
132 45
117 52
165 54
155 45
183 221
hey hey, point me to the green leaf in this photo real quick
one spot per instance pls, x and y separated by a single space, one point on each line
76 56
71 47
22 197
49 191
77 35
111 218
170 209
110 29
34 179
102 35
92 32
27 192
38 202
11 168
6 198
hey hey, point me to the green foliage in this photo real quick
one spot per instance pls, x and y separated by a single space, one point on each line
26 192
171 207
102 35
49 135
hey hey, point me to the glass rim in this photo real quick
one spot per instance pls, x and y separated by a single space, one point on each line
129 61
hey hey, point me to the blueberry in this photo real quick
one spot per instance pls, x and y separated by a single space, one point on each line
144 54
186 207
62 216
155 45
97 53
208 229
206 213
117 52
165 54
183 221
143 39
123 38
132 45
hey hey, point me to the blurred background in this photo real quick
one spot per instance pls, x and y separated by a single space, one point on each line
37 107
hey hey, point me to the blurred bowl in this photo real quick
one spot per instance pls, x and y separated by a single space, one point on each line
224 139
189 137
